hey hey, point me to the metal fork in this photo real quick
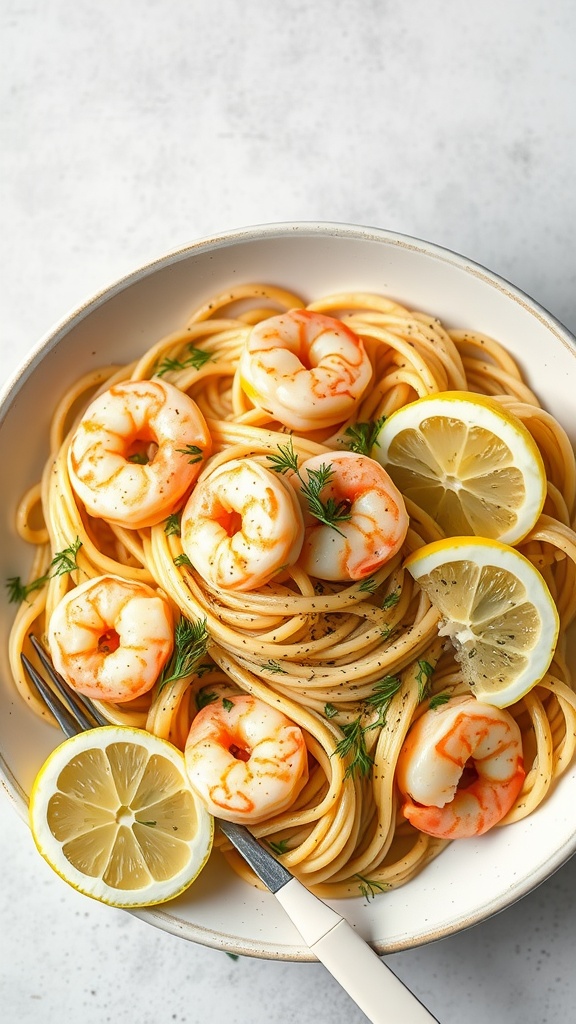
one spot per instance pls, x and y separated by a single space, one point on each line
350 960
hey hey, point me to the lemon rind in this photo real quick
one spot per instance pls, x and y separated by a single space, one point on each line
51 849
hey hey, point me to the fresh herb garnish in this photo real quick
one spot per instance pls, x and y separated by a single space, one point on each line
390 600
329 512
193 451
330 711
63 561
274 666
196 360
227 704
172 525
368 585
423 677
139 458
354 743
190 644
204 698
369 887
201 670
438 700
278 848
285 459
363 435
384 690
182 560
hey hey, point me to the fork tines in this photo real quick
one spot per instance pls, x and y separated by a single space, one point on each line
69 710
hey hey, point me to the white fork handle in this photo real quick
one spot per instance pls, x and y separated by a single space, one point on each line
350 960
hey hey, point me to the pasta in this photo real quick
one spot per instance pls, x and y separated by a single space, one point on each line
322 652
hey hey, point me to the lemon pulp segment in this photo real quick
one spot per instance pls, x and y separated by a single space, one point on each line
496 609
114 815
470 464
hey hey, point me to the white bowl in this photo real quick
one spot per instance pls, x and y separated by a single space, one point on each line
473 878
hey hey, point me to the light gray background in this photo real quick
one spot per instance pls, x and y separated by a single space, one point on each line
128 128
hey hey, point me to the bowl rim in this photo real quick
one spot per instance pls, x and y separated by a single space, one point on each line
158 916
258 232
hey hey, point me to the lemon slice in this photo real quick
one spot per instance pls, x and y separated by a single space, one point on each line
468 462
496 609
112 812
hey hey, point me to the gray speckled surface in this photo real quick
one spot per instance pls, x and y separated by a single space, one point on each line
132 128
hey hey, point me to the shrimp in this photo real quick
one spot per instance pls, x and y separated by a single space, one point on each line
460 769
245 760
308 370
241 525
372 521
137 451
110 638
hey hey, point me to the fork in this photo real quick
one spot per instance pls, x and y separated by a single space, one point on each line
352 962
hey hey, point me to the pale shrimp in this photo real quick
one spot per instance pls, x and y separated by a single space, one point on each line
137 451
308 370
460 769
246 760
241 525
371 521
110 638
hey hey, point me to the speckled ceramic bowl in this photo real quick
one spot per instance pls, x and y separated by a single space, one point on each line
472 879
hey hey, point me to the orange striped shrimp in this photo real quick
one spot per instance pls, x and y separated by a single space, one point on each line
308 370
460 769
241 525
376 520
110 638
245 760
137 451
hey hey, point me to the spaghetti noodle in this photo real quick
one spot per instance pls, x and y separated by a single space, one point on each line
352 663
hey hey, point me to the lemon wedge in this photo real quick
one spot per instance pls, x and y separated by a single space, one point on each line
467 462
112 812
496 609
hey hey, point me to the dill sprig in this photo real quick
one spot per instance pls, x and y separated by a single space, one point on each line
63 561
354 744
368 585
285 459
204 698
172 525
190 644
279 847
438 700
196 359
329 511
362 436
182 560
423 677
390 600
273 666
369 887
193 451
380 698
354 741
